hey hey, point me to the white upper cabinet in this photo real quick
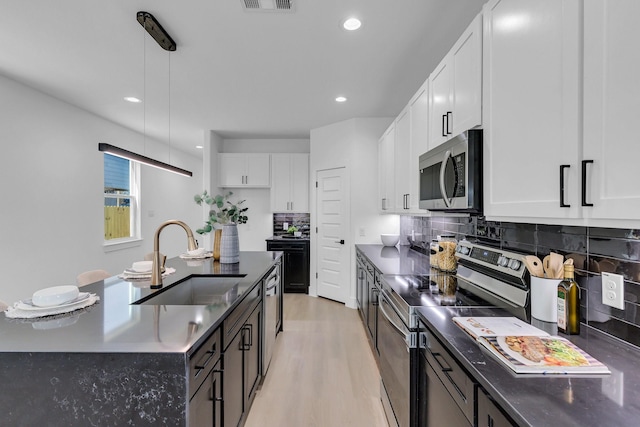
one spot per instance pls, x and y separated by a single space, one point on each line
290 182
386 170
250 170
411 140
455 88
402 153
611 108
531 54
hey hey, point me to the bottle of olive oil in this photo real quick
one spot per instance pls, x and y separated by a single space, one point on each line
568 303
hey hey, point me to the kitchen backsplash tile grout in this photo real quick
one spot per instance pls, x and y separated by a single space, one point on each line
594 250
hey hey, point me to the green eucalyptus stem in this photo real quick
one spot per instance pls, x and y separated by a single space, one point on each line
222 211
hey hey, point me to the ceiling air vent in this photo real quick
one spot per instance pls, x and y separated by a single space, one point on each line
268 5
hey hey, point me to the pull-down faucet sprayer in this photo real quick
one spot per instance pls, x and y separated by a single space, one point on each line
156 273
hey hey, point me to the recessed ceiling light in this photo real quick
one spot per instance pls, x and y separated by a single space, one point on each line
199 146
352 24
341 99
132 99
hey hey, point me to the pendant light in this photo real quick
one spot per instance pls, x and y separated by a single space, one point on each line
153 27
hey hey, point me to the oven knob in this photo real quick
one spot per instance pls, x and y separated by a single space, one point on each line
514 264
464 250
503 261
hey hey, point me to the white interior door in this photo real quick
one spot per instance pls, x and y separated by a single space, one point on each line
332 255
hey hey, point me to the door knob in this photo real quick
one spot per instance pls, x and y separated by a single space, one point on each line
340 241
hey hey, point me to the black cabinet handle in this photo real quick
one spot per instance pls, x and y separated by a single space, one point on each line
584 182
444 126
449 114
562 203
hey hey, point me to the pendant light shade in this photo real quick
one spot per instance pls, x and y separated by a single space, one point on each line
130 155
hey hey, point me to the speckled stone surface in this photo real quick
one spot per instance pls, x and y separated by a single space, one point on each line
601 400
116 363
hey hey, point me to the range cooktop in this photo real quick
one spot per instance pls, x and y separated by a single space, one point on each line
486 278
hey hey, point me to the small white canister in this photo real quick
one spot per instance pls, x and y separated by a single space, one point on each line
544 294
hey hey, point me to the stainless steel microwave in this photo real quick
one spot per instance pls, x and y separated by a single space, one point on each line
451 175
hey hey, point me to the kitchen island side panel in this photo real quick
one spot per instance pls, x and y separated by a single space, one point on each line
93 389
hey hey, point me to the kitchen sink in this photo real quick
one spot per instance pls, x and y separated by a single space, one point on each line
197 291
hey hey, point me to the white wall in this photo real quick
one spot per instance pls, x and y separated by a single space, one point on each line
259 227
352 144
51 176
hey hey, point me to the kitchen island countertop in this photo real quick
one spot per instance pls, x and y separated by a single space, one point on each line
115 363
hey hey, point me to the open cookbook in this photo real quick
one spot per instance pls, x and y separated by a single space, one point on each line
528 350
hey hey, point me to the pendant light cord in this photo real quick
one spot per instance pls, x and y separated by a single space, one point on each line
144 89
169 86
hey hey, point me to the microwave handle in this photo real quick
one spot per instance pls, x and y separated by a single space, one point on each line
443 167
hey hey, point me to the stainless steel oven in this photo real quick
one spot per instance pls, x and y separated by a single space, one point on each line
451 175
395 344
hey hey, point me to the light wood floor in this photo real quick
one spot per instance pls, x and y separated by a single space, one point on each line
322 374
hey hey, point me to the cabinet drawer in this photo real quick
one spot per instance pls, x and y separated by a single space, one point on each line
239 315
489 414
203 361
459 385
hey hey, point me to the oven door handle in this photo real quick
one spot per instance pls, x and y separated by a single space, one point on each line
443 171
401 330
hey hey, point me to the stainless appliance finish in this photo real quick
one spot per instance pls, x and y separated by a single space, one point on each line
451 175
272 289
486 277
395 342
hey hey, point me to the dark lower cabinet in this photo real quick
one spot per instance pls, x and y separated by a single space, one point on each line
489 414
205 405
205 408
295 264
251 355
233 384
241 358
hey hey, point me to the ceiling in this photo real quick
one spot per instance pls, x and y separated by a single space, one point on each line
249 75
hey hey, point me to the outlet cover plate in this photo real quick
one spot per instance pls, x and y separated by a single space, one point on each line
613 290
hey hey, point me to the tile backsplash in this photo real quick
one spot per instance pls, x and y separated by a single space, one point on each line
300 220
594 250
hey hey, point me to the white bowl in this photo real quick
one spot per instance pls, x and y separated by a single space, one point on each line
142 266
55 295
390 239
195 252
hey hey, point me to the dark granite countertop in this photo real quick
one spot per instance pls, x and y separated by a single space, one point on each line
395 259
115 325
549 400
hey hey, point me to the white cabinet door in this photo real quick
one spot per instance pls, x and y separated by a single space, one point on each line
531 108
386 168
466 97
419 110
233 168
280 182
244 170
290 183
402 160
258 170
299 183
455 88
611 108
440 102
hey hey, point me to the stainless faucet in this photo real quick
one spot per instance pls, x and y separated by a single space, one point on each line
156 273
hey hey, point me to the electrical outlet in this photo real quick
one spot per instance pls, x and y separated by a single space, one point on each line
362 233
285 226
613 290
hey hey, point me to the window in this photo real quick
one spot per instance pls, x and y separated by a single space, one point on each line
121 200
